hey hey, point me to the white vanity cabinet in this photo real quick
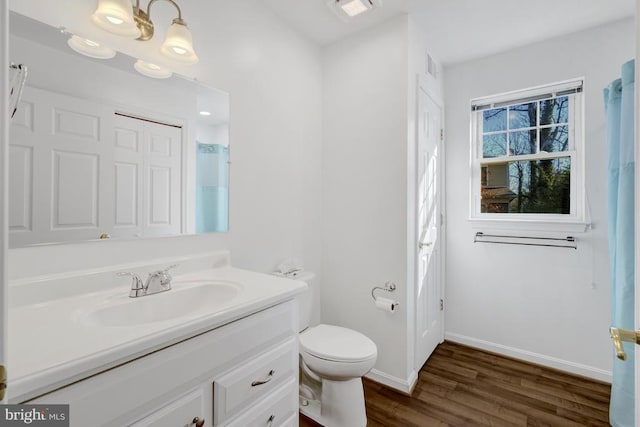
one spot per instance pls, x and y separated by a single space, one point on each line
243 373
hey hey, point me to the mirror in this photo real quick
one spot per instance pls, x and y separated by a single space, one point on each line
98 150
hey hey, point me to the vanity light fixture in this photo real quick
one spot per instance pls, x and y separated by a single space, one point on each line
116 16
121 18
151 70
347 9
90 48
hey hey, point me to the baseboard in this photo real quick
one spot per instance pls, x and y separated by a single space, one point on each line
540 359
399 384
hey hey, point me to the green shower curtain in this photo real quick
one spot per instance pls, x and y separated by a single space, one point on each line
619 107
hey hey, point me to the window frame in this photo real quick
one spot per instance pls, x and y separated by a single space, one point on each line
576 220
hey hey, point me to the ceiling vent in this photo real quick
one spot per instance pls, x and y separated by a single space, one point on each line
349 9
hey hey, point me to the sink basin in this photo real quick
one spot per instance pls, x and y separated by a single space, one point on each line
187 299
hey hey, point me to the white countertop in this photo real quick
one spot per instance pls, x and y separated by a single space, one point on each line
51 344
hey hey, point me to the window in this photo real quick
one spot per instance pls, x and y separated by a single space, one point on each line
527 155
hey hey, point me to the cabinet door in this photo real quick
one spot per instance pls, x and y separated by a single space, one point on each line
181 412
278 409
292 421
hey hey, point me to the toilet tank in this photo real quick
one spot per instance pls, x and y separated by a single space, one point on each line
305 299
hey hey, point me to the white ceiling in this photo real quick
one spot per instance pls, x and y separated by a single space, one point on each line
459 30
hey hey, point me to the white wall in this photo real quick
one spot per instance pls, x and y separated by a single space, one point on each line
364 185
274 79
543 304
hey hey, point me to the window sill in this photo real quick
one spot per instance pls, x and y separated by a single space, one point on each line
554 226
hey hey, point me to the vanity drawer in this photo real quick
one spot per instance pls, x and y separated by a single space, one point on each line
181 412
279 409
292 421
239 388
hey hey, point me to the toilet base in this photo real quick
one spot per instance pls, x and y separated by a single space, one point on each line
341 404
311 409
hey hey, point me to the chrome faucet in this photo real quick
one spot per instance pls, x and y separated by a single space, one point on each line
158 281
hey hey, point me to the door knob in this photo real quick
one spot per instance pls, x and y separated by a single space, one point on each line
619 335
3 381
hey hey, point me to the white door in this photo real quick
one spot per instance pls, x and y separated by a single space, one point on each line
79 171
4 234
163 175
148 171
128 171
429 252
637 222
60 171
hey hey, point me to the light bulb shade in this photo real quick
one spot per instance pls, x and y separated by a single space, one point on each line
90 48
151 70
116 16
178 44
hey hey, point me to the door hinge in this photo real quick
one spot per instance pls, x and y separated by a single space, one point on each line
441 134
3 381
441 305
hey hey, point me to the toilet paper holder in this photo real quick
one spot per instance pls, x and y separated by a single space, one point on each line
388 287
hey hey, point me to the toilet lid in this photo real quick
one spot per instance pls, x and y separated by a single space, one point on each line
337 344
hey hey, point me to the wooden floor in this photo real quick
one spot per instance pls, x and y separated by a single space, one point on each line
462 386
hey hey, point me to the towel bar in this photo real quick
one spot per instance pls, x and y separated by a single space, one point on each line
569 239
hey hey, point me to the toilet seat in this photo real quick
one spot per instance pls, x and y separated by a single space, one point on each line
337 344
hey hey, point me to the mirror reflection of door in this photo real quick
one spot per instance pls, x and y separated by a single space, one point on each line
78 171
148 173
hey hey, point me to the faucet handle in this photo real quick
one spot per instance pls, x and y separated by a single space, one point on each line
165 273
171 267
160 278
136 283
134 276
137 288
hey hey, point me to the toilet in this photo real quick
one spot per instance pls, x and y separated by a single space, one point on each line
333 360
